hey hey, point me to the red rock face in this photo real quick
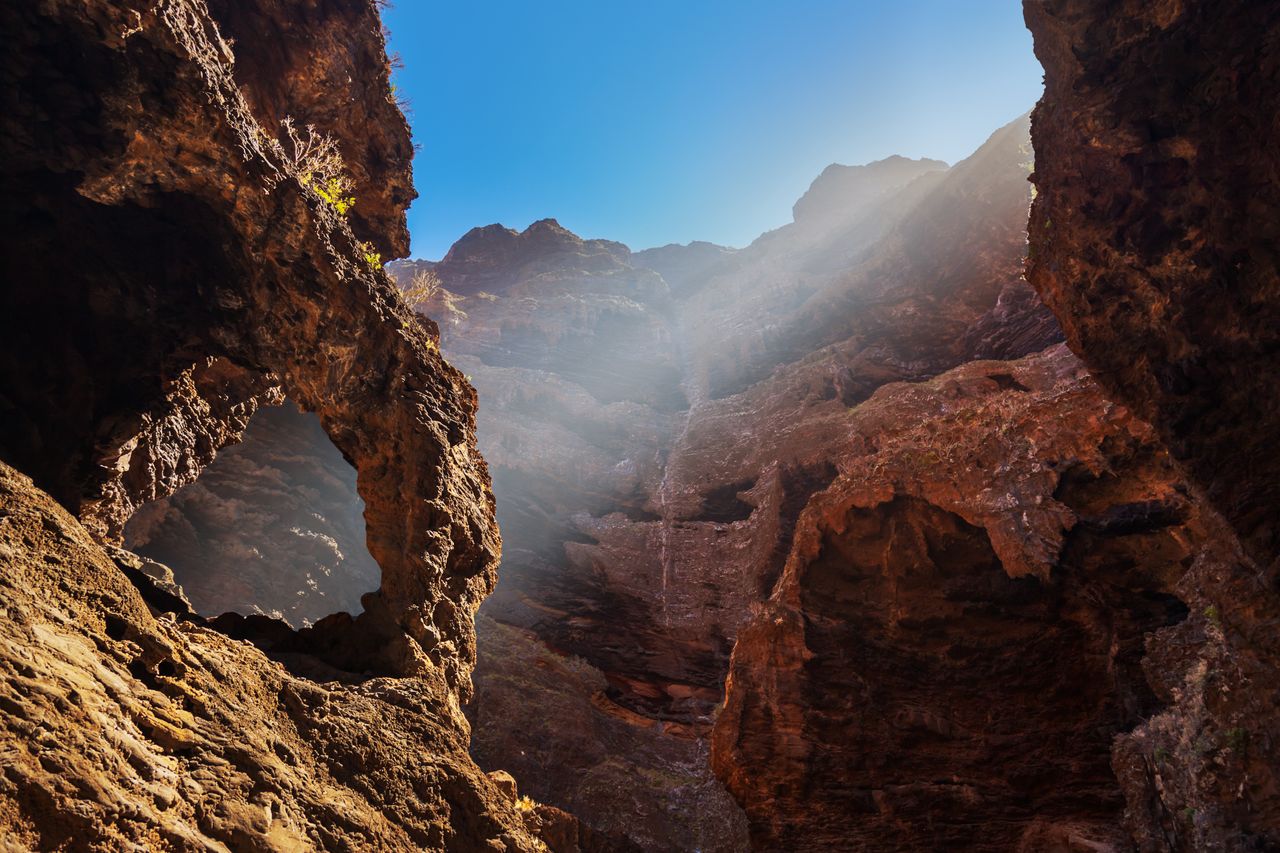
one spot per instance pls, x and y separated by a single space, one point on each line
656 421
168 220
1155 229
957 635
1152 240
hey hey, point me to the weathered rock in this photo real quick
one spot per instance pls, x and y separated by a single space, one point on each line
177 254
177 261
1155 230
126 731
1153 239
958 634
549 720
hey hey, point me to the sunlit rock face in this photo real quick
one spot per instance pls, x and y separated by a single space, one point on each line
958 634
272 526
170 268
1153 239
656 421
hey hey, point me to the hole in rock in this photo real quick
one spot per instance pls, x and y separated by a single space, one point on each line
273 526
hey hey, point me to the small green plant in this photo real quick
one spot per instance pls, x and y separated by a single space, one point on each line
1211 613
1161 754
371 257
318 165
1189 814
525 803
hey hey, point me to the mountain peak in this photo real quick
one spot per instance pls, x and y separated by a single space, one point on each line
841 188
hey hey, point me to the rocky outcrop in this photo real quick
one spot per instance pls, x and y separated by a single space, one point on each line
1152 240
1155 227
958 635
182 252
123 729
197 200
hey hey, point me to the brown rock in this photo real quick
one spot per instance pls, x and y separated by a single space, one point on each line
122 730
958 634
168 228
1155 227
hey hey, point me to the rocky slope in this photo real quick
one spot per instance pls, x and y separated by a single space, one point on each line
178 253
124 729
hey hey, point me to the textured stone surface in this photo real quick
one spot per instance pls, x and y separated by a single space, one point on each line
170 266
1153 239
1155 228
166 221
122 730
958 634
549 720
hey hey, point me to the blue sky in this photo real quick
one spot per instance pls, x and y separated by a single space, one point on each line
663 122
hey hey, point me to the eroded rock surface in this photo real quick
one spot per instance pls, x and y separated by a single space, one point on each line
1153 239
176 262
273 525
122 729
960 630
1155 228
175 257
657 420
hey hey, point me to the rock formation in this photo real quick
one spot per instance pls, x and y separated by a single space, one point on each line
236 274
197 198
1154 241
827 542
273 519
958 635
1155 227
128 730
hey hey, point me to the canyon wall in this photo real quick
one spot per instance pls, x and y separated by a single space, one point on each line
1154 241
1155 228
656 421
823 543
197 200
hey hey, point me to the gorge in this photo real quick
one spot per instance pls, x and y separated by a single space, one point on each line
908 526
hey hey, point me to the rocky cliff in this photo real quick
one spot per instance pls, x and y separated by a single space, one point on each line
1154 241
656 421
1155 227
197 199
958 636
